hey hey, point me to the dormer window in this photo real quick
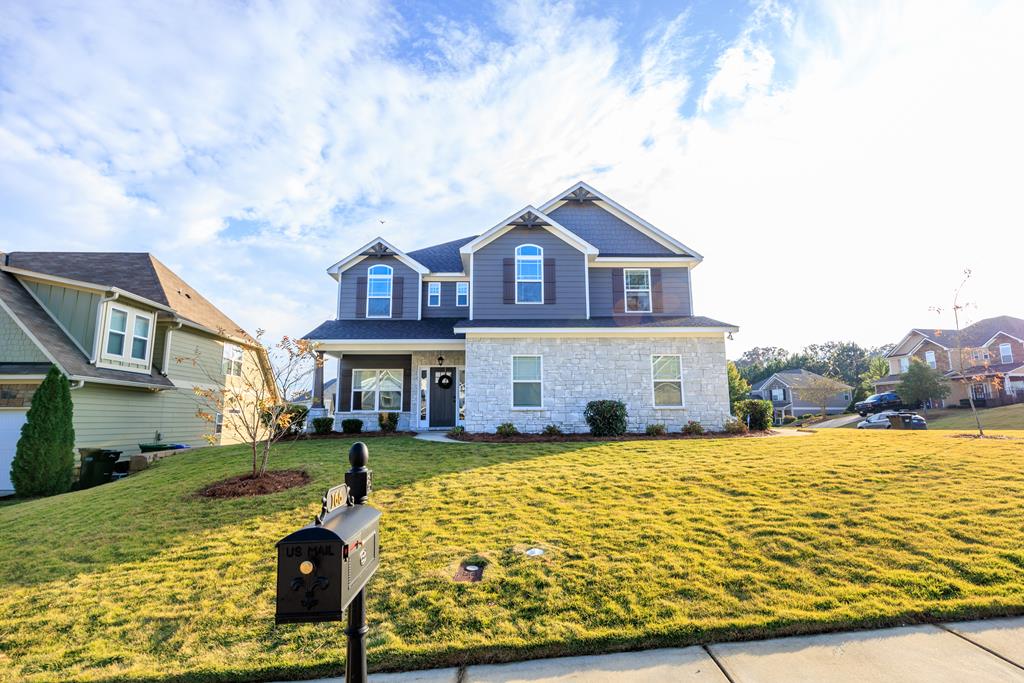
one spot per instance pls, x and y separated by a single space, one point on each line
116 331
140 337
529 274
128 337
378 292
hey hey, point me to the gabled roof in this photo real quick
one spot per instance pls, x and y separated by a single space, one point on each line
581 191
137 273
378 246
442 258
532 217
975 335
797 379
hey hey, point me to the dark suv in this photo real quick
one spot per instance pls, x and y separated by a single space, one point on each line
876 403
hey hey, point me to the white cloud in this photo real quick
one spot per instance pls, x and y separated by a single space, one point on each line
839 149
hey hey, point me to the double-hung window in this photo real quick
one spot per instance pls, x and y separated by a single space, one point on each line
433 294
667 374
1005 353
462 294
140 337
778 394
232 363
128 335
904 364
117 328
929 358
529 274
527 386
378 292
375 390
638 290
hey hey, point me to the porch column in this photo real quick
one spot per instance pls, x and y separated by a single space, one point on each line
318 382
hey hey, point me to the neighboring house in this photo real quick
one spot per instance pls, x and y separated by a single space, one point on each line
992 367
557 305
786 389
330 395
115 325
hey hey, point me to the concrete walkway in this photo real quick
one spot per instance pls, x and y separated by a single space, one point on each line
975 651
436 437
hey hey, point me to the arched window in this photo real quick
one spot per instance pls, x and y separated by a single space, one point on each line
378 292
529 274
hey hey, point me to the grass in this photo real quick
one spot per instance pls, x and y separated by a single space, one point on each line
1003 417
647 544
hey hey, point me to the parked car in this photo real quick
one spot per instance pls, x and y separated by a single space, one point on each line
907 420
877 421
876 403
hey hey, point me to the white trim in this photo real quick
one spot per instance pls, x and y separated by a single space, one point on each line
689 287
419 297
355 257
444 277
539 258
643 261
933 363
380 346
149 338
28 333
87 286
430 293
376 391
167 348
21 379
391 290
471 297
633 331
1001 356
682 390
628 216
458 284
1005 334
514 381
105 354
119 382
626 290
554 227
586 284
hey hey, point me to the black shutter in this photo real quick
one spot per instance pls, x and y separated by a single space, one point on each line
397 295
509 281
549 281
657 304
618 291
361 297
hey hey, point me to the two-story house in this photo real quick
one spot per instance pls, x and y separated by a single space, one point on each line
991 367
789 392
116 324
557 305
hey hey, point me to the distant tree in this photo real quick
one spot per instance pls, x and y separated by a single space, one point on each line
921 383
738 387
843 360
44 459
878 368
819 391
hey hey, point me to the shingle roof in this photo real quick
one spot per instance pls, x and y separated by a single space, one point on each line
603 322
609 233
799 379
58 345
428 328
442 258
136 272
977 333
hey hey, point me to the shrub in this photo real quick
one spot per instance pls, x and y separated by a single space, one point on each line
789 419
656 430
323 425
44 459
552 430
506 429
693 428
755 414
388 422
734 427
606 418
457 432
352 425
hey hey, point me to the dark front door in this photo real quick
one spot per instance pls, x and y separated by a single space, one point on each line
442 397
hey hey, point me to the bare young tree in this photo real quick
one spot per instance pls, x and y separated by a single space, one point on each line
820 390
249 391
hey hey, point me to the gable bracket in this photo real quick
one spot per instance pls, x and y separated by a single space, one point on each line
529 220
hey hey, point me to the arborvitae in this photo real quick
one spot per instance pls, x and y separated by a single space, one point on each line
44 460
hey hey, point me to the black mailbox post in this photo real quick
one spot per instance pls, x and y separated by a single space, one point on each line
323 568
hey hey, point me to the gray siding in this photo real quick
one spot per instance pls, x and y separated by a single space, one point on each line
350 362
73 308
353 304
447 309
836 404
15 346
675 288
488 274
610 234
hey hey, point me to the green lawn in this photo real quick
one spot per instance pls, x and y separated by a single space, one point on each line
1003 417
648 544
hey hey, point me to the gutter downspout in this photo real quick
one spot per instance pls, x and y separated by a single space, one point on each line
167 347
99 326
77 384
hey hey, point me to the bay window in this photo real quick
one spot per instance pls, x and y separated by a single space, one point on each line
527 389
377 390
378 292
667 375
529 274
638 290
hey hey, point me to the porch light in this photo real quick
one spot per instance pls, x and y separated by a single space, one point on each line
440 360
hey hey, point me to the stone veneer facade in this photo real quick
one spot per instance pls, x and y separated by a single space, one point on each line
581 369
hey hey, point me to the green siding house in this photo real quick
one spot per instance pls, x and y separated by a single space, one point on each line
119 326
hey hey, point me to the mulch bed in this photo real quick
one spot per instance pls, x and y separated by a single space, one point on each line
544 438
244 485
1002 437
342 435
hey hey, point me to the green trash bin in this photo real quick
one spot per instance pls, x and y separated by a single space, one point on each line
97 466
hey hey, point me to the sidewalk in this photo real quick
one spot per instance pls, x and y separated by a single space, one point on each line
975 651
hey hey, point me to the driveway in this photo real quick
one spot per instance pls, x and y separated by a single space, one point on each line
840 421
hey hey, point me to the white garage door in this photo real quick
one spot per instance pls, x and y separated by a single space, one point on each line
10 431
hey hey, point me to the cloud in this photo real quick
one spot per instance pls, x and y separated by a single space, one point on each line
836 148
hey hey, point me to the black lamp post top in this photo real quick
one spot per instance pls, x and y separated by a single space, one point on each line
358 455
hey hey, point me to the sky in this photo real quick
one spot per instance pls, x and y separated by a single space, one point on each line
838 164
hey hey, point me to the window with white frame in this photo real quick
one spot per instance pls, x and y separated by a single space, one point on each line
979 390
128 335
527 384
904 364
638 290
929 358
462 294
140 337
667 374
378 291
778 394
232 363
529 274
433 294
117 329
376 390
1005 353
218 423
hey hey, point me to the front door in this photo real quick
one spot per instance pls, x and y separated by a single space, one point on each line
442 397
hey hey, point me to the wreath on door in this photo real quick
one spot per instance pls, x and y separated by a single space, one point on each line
444 381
